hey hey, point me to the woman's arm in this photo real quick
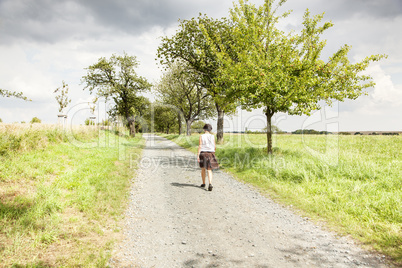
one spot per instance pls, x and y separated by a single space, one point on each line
199 149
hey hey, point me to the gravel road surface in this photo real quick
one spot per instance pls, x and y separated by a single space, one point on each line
172 222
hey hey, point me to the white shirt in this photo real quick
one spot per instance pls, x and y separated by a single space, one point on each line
207 143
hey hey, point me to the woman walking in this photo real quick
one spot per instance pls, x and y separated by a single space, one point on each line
206 155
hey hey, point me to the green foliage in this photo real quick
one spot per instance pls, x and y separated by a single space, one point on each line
191 46
274 129
179 88
35 120
197 126
8 94
116 78
360 195
283 72
89 122
1 121
106 122
62 96
165 118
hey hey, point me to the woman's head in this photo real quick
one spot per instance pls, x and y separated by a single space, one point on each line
207 127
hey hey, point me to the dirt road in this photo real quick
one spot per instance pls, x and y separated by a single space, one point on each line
172 222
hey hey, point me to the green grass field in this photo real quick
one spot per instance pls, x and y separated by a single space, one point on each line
354 183
61 200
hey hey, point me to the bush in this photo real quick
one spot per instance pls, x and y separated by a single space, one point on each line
36 120
106 122
89 122
197 126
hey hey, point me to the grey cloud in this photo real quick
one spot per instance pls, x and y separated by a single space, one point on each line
374 8
40 20
343 9
138 16
53 21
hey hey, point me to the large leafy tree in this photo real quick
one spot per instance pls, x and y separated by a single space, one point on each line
116 78
190 44
283 72
179 86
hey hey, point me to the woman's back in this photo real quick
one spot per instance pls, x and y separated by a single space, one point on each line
208 143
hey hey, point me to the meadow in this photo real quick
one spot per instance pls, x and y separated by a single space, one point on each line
352 183
62 194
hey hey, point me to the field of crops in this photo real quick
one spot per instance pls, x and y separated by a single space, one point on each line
61 194
354 183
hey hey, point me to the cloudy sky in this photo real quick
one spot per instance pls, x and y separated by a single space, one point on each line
43 42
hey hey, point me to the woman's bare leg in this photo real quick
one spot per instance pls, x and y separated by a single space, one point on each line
203 175
210 176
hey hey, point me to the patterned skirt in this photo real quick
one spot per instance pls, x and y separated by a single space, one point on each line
208 160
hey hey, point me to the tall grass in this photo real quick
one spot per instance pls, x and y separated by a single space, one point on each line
60 204
25 137
352 182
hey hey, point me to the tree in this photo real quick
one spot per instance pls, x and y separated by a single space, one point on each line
36 120
116 78
165 118
8 93
198 126
180 88
62 96
283 72
274 129
190 45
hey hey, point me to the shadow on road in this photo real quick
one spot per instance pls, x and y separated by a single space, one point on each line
182 185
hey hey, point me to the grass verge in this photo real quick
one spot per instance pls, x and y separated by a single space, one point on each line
351 182
60 204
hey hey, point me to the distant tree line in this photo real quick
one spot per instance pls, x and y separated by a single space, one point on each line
311 131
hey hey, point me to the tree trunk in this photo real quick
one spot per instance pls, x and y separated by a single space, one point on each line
269 115
179 121
188 123
132 127
167 129
219 131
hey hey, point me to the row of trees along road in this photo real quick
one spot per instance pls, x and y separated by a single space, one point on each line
190 47
246 60
180 88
